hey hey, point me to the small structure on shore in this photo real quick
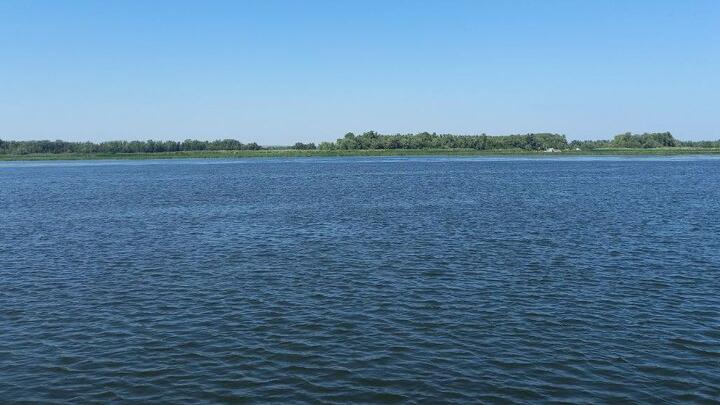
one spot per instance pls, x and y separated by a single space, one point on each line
552 150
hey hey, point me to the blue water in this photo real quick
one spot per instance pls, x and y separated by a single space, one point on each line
380 280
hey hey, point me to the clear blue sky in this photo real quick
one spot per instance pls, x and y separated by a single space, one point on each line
282 71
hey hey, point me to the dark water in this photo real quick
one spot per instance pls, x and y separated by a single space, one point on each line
361 280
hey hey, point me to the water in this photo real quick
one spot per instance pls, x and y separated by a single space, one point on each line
427 280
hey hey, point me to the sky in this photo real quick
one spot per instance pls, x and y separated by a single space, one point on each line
277 72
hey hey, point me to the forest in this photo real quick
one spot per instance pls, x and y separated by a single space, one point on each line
367 141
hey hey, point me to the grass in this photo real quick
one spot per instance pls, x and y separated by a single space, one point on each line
377 152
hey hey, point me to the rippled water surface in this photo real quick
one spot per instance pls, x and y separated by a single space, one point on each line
341 280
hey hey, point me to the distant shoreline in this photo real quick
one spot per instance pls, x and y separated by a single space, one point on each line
359 152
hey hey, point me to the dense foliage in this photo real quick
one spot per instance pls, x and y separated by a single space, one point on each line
542 141
304 146
366 141
645 141
424 140
27 147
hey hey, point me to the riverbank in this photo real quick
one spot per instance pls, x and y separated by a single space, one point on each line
361 152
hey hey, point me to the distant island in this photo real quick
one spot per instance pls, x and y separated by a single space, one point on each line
367 144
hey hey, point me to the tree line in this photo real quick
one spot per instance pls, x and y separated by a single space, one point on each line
367 140
644 141
425 140
150 146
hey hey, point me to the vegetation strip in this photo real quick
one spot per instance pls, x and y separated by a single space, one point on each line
367 144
